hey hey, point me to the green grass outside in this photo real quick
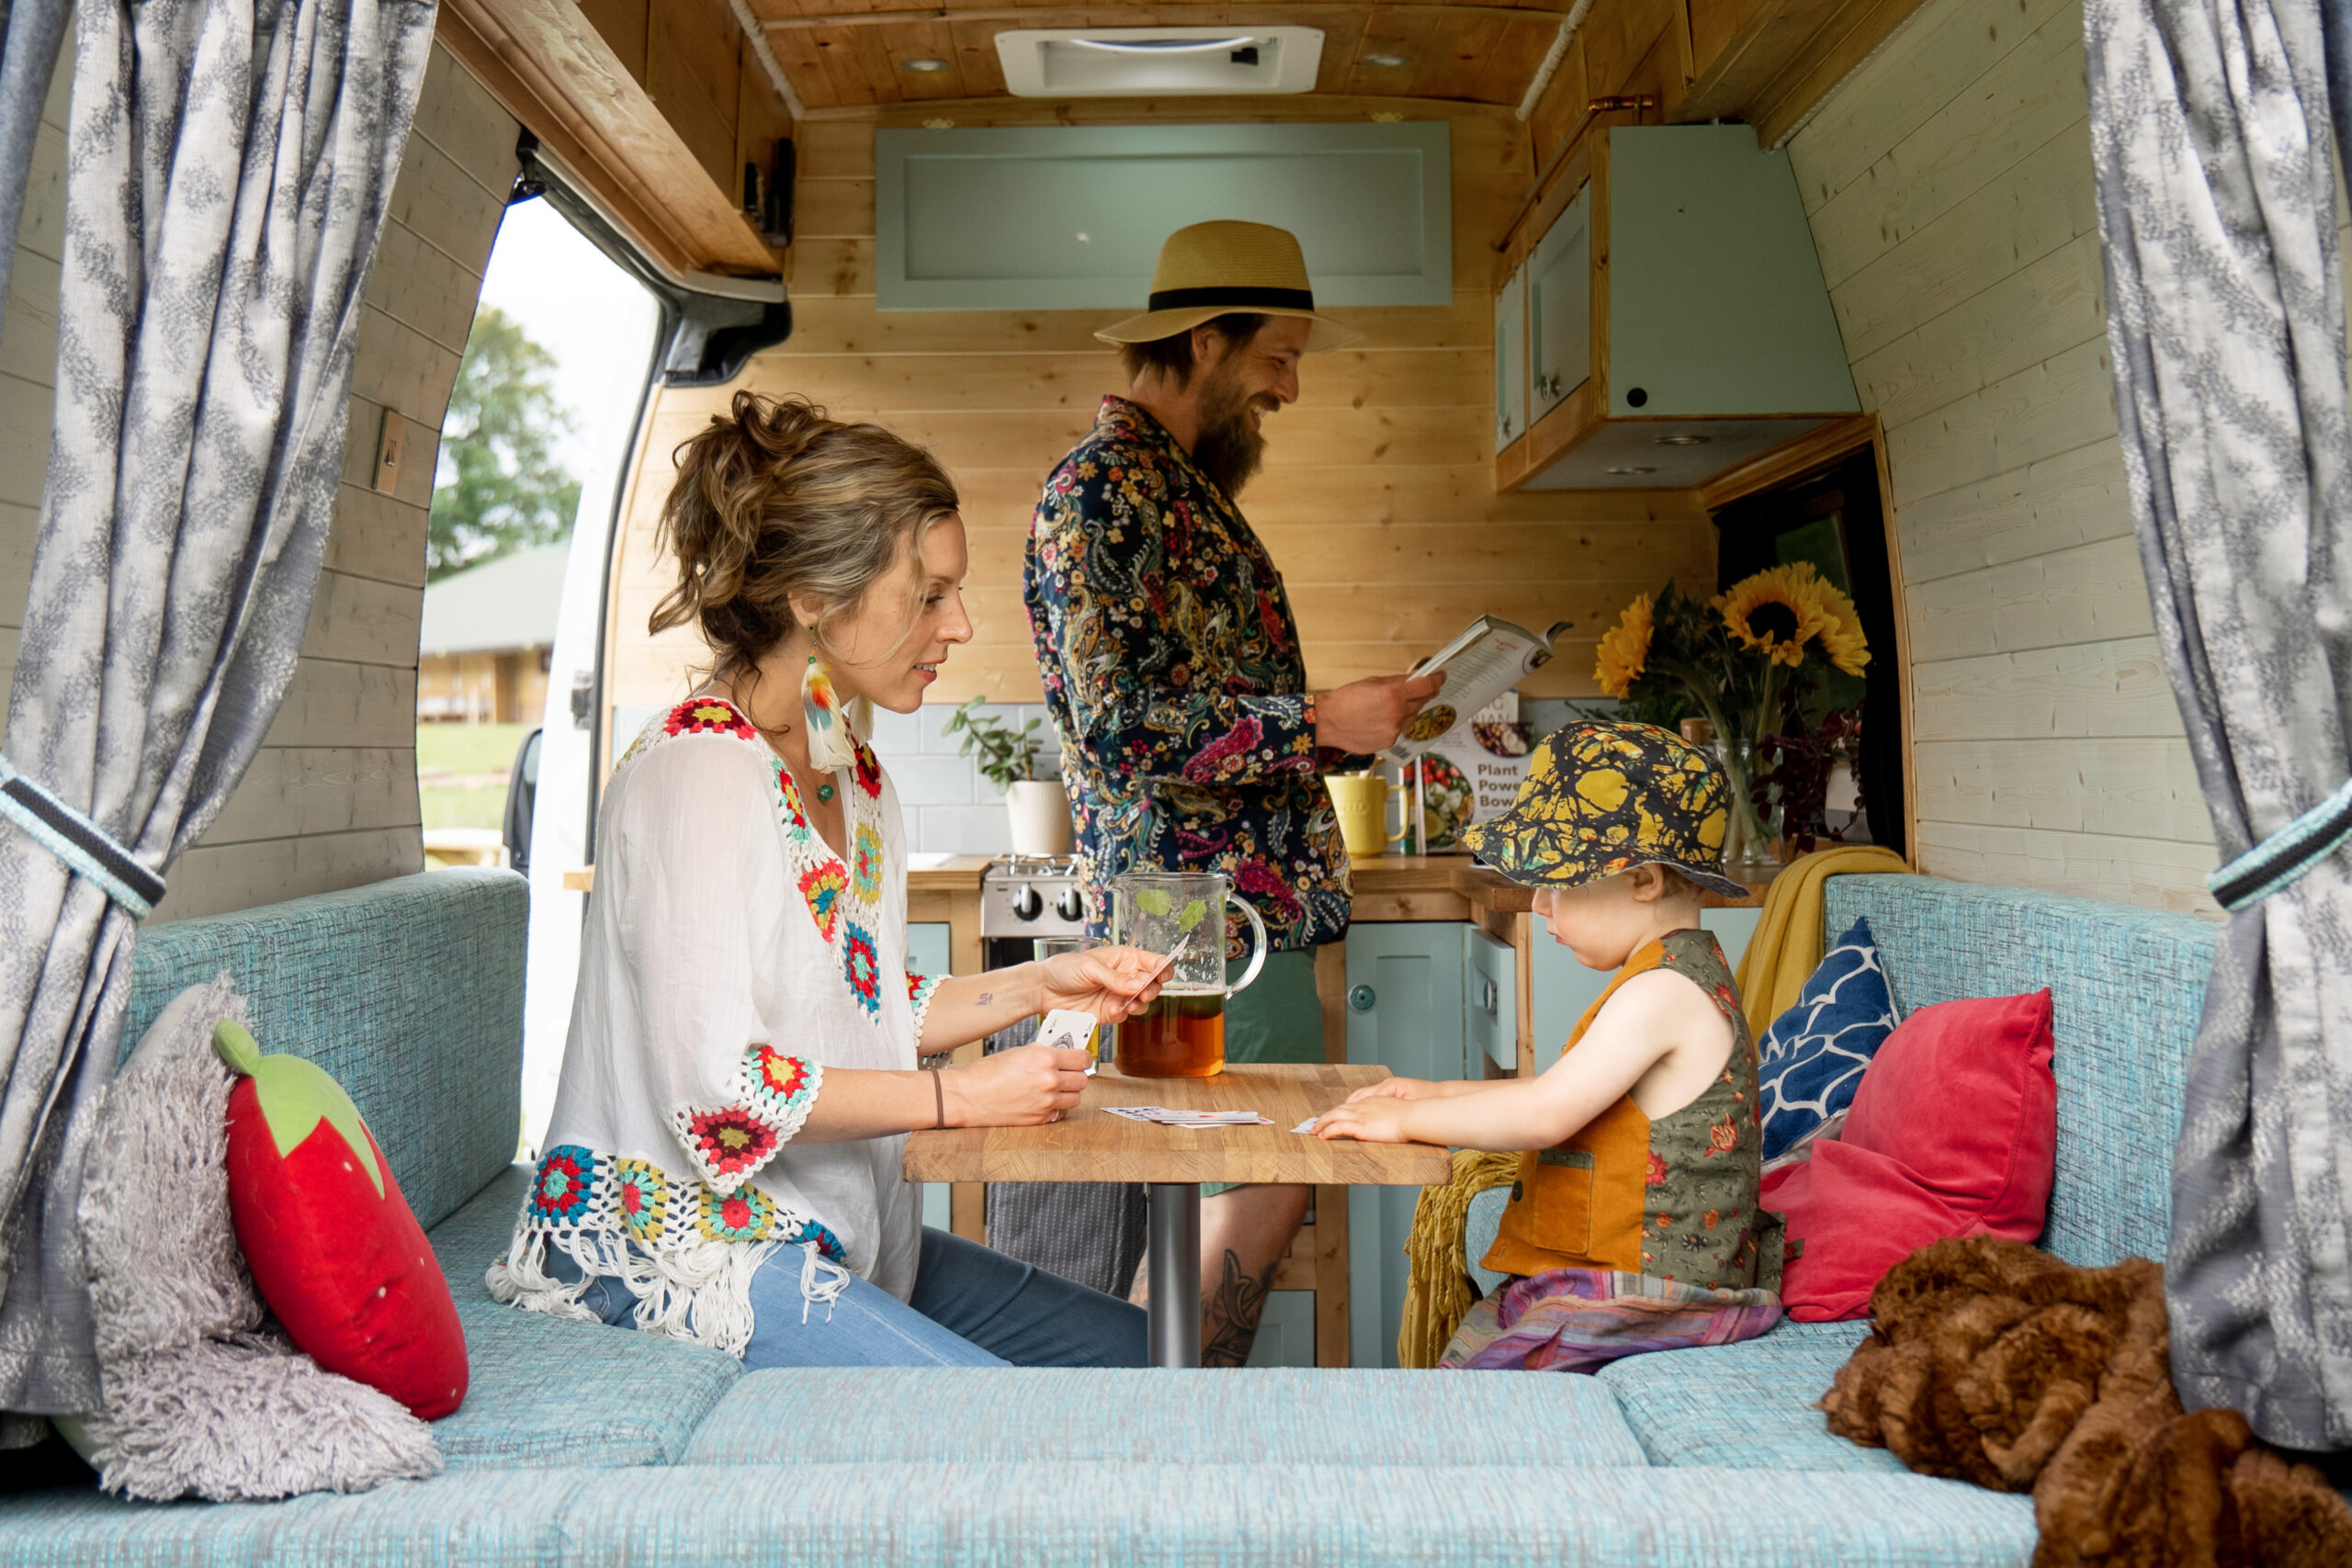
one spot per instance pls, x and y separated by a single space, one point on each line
454 763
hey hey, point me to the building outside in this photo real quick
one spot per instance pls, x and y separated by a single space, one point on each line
487 635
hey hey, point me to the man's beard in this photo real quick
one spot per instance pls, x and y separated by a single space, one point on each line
1229 447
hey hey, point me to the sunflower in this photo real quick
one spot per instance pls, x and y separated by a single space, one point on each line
1841 634
1776 611
1625 648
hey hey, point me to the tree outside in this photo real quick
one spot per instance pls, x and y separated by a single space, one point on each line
498 487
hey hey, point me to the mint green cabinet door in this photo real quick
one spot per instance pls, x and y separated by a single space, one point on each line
1405 996
1510 360
1559 308
927 955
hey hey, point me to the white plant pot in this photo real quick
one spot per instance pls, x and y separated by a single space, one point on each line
1040 810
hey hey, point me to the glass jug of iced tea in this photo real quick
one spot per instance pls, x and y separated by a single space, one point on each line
1181 1034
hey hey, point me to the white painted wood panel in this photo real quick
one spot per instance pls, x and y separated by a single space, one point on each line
1950 184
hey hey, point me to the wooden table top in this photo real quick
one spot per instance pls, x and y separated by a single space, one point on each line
1093 1145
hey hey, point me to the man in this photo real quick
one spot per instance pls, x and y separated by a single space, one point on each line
1172 667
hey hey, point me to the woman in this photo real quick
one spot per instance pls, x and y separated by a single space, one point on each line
722 1164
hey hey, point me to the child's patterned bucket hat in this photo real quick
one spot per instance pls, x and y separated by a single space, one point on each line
1600 797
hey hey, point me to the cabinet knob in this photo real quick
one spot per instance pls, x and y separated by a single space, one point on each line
1361 997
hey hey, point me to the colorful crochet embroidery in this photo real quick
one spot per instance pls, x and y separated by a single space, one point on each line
641 1197
728 1144
863 970
868 771
865 865
821 887
688 1257
559 1193
698 716
920 989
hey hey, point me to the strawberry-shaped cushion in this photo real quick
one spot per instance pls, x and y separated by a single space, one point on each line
332 1243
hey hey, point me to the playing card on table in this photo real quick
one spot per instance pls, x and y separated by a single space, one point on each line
1168 1117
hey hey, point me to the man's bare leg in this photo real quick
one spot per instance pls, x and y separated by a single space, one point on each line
1244 1234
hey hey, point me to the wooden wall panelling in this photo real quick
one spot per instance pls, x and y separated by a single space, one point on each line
330 800
1948 184
1377 500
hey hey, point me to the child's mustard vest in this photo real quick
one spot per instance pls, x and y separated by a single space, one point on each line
1674 1198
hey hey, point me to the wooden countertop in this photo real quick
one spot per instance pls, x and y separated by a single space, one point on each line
1093 1145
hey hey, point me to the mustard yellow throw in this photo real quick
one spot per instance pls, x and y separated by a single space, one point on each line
1786 948
1438 1292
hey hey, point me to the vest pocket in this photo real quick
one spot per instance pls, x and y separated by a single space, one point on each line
1560 1200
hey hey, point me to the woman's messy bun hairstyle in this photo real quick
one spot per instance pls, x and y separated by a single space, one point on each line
773 500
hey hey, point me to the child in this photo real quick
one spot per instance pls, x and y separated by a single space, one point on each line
1634 1223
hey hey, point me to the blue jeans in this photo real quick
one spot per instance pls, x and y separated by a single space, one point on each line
972 1308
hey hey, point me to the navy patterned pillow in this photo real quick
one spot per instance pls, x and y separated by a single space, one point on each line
1814 1054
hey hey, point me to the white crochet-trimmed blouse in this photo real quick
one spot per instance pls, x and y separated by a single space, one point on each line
730 958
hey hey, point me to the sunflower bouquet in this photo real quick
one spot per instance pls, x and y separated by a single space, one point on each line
1749 659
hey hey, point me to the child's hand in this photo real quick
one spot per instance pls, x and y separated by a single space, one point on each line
1396 1088
1372 1120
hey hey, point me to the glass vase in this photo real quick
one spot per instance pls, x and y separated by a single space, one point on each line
1747 839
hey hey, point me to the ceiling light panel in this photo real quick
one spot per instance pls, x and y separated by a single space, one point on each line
1103 63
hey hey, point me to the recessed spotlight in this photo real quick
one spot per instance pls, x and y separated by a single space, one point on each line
924 65
1387 61
1681 440
1630 469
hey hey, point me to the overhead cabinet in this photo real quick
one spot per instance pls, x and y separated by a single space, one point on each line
1069 217
1662 317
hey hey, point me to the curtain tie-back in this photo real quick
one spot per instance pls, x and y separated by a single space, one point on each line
2280 860
79 842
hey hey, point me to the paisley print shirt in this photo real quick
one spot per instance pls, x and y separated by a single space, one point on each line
1172 669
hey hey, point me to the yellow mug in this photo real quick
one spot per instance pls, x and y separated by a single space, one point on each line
1362 801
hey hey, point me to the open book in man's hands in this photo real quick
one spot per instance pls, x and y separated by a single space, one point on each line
1490 658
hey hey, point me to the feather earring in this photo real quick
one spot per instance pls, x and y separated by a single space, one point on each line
831 747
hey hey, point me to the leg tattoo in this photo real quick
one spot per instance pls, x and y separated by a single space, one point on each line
1232 1314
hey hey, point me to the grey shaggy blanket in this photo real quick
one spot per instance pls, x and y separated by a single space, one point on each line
202 1396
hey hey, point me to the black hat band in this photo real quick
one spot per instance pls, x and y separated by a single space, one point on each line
1233 299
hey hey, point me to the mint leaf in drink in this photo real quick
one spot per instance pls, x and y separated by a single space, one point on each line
1192 914
1153 901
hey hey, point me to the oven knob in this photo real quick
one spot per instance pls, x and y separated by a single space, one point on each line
1069 906
1026 904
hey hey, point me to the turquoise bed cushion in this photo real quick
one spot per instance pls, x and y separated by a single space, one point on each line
547 1391
984 1515
1269 1416
409 991
1747 1406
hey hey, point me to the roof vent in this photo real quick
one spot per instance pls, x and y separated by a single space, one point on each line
1124 63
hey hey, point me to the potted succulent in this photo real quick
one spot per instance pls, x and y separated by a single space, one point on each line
1008 757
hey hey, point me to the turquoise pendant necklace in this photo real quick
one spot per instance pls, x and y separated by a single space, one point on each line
825 793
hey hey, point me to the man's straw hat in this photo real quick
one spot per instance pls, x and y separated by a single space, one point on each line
1209 269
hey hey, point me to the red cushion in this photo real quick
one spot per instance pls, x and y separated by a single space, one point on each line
344 1265
1953 1131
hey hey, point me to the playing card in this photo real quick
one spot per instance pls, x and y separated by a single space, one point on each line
1071 1030
1307 1126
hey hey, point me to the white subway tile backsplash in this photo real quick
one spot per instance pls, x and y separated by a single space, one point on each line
895 734
931 780
965 830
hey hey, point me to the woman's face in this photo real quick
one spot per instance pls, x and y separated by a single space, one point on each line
873 652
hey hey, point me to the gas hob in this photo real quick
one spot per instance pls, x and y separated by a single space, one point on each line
1032 896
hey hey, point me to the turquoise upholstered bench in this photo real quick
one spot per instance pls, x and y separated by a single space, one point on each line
584 1444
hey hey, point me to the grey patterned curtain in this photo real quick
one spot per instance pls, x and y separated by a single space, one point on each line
229 164
2210 132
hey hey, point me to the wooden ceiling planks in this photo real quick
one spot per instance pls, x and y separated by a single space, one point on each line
841 55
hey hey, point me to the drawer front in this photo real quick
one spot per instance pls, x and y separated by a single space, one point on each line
1489 1002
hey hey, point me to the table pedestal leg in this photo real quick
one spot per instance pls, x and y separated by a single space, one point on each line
1175 1260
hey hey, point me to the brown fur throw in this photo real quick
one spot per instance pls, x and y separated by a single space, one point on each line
1993 1362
